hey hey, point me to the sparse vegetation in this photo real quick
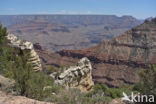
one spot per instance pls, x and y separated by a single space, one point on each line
3 33
28 82
109 93
101 94
75 96
50 69
14 65
147 84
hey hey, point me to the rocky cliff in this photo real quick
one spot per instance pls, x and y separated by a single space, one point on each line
116 61
79 76
25 45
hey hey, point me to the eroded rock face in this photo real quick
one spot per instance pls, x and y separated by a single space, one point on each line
25 45
116 61
78 76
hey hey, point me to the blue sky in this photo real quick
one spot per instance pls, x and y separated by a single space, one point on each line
138 8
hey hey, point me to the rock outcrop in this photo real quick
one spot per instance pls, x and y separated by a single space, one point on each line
79 76
25 45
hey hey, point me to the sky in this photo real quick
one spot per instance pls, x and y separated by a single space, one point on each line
140 9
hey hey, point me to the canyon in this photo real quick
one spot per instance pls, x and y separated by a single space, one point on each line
113 62
117 61
55 32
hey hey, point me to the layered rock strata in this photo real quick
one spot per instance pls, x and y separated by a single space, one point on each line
116 61
25 45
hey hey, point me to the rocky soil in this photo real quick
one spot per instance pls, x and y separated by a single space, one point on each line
11 99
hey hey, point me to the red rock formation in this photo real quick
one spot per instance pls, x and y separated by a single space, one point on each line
114 61
50 58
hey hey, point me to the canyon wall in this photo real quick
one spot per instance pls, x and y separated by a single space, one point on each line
115 62
55 32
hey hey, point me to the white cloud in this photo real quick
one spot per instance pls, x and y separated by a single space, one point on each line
73 12
64 12
10 9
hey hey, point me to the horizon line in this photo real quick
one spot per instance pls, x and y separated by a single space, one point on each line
73 15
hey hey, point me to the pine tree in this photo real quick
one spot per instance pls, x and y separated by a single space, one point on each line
3 33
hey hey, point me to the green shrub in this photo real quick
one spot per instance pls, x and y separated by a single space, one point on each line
50 69
102 91
3 33
114 93
98 88
147 84
100 100
28 82
14 65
